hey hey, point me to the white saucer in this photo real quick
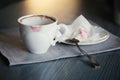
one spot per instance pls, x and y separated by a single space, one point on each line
104 35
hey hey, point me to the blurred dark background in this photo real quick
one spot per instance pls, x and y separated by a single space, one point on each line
4 3
108 10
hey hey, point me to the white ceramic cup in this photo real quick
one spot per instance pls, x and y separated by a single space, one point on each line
39 32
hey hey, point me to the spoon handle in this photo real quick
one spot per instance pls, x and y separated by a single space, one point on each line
92 59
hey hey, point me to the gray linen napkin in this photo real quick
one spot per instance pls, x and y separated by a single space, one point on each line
12 47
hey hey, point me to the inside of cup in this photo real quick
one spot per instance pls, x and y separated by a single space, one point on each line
37 20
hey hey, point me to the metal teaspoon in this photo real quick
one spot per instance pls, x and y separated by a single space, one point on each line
92 59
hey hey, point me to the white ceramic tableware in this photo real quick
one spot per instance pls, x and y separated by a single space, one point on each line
39 32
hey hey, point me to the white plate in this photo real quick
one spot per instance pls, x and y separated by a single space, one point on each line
104 35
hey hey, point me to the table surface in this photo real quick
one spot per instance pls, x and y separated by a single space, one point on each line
64 69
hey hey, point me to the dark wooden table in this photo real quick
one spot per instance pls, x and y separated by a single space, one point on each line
65 69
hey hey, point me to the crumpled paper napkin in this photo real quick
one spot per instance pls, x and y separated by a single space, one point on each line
82 30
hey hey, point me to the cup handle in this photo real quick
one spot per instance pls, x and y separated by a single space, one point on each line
62 30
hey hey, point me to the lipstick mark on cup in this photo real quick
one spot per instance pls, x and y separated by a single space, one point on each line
35 28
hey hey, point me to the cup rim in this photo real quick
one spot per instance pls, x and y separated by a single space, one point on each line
32 15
